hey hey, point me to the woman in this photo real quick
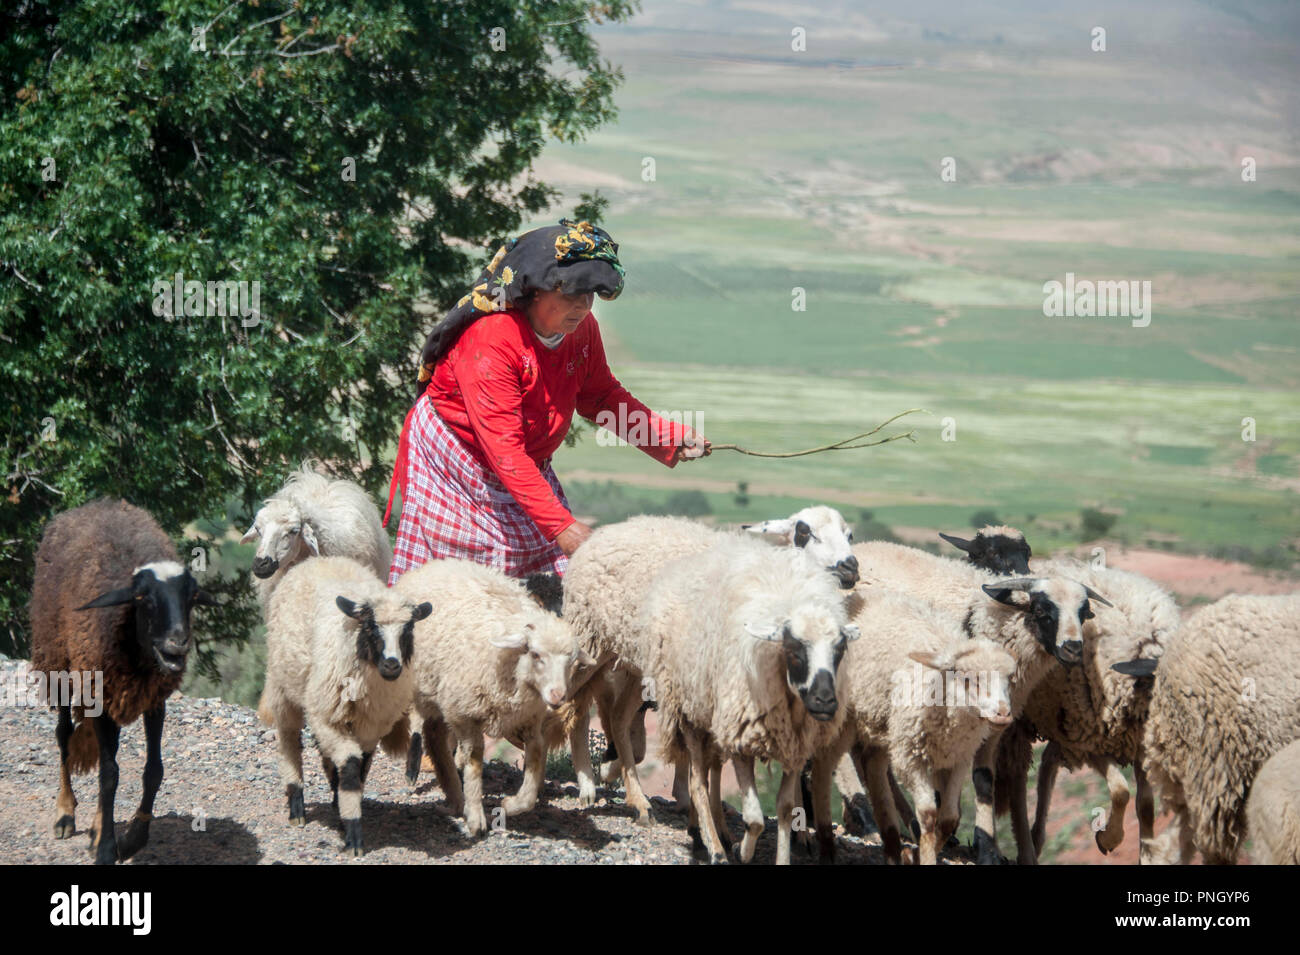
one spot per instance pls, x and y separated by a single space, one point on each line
505 371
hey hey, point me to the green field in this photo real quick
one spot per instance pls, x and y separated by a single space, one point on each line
776 170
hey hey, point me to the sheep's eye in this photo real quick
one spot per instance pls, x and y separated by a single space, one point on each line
537 657
293 530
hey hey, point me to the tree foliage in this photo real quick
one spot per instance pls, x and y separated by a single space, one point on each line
213 140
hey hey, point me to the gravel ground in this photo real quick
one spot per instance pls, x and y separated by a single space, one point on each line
221 802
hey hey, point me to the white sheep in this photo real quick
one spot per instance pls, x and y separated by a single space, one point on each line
1039 620
1226 698
338 652
744 642
1091 715
603 586
315 516
491 660
922 698
1273 809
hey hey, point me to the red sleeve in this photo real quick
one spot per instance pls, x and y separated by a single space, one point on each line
489 377
601 396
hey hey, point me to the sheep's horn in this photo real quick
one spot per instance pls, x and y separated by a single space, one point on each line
1093 595
962 545
1139 667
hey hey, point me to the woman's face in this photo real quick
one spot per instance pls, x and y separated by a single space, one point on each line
552 312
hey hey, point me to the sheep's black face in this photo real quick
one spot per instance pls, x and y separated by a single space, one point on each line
162 595
1001 554
1055 611
810 671
388 646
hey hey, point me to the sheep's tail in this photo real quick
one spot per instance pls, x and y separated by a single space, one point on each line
83 748
398 741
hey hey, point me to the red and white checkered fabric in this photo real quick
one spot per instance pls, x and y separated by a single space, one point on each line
453 506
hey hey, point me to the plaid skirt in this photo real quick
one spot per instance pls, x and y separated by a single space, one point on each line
453 506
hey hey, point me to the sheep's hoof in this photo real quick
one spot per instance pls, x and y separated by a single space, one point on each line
297 810
719 858
986 850
352 838
413 758
908 856
643 817
697 844
515 807
1100 846
65 827
106 852
137 834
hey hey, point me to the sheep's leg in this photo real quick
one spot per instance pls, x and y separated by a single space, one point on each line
1146 809
873 766
822 768
949 785
986 844
66 805
700 796
288 737
906 817
580 749
414 752
927 799
1026 853
1113 834
104 839
138 832
1048 766
475 819
344 753
634 794
534 766
611 695
436 732
785 803
331 772
681 790
365 765
858 818
715 803
751 807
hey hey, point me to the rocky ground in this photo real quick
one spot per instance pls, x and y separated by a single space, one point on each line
221 802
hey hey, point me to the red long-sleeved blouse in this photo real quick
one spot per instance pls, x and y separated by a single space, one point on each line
510 400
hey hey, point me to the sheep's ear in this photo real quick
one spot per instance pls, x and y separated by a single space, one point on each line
250 535
933 660
204 599
1136 668
422 611
962 545
1003 589
763 632
513 641
353 609
850 631
585 659
309 538
770 527
113 598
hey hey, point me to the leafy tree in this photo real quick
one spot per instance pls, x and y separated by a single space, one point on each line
984 518
348 158
1094 523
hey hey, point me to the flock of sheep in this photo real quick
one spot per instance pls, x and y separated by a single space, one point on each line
882 667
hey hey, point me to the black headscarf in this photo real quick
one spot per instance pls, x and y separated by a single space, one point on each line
574 257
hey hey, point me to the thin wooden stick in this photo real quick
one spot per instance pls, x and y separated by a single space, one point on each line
843 445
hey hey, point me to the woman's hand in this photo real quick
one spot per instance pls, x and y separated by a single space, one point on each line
573 537
693 446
